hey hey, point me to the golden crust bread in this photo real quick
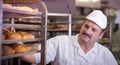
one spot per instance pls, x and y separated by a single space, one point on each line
18 35
3 37
20 48
6 50
26 35
13 35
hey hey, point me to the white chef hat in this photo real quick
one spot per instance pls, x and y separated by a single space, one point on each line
99 18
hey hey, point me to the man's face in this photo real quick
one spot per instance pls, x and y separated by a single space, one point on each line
90 32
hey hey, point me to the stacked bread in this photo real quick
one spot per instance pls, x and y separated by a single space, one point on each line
3 37
18 35
6 50
59 27
20 48
21 8
15 48
64 27
76 27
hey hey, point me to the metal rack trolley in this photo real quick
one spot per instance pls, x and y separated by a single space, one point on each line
16 14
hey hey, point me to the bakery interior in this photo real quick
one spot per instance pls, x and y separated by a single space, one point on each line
23 31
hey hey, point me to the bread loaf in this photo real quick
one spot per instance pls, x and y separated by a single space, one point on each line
76 27
7 6
62 27
21 8
19 35
25 35
31 36
3 37
13 35
20 48
58 27
6 50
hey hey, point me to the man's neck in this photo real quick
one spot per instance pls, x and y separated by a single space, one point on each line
86 47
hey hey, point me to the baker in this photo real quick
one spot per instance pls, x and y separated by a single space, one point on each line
81 49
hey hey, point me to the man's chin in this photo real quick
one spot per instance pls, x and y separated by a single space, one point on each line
86 41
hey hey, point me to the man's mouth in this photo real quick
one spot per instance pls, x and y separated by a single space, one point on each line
87 35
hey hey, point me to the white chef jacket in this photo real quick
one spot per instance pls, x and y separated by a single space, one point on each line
65 50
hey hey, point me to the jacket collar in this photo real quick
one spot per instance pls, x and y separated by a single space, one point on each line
76 44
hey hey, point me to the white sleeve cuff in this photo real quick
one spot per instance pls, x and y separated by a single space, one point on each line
38 57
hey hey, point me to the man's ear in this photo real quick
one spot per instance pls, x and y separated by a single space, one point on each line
102 34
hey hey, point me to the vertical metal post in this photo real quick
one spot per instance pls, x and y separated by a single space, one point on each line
43 32
1 16
111 21
11 61
70 24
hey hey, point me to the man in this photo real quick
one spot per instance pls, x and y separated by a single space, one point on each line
81 49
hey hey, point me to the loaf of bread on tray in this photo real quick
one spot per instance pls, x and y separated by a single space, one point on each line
19 35
6 50
20 48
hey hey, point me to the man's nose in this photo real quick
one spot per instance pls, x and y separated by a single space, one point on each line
88 31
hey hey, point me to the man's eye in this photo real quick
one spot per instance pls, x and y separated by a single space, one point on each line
94 30
86 26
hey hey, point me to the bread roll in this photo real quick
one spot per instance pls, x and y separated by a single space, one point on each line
6 50
58 27
19 35
13 35
7 6
20 48
51 26
35 10
3 37
31 36
23 8
76 27
25 35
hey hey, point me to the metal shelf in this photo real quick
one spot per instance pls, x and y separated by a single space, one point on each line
58 23
20 40
22 26
19 54
57 30
58 14
69 21
11 13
